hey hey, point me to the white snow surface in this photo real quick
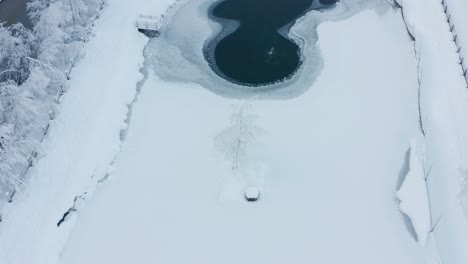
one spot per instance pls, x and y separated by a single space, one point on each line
413 193
444 111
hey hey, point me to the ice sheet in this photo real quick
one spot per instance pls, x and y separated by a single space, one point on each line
178 54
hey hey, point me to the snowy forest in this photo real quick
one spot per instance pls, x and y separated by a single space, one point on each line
35 65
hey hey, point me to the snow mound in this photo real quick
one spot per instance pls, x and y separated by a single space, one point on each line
252 194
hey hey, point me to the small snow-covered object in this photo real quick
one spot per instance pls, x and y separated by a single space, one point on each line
252 194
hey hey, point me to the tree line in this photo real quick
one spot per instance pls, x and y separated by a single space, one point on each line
35 66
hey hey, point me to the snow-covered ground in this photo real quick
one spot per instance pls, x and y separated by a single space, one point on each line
444 109
327 162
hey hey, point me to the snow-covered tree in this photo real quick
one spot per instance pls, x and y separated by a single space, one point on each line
17 104
237 140
16 45
17 113
34 66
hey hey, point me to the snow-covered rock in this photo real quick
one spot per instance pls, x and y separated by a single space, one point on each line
252 194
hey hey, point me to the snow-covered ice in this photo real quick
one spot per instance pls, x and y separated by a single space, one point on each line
331 158
179 52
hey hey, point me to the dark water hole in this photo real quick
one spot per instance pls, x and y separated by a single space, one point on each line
14 11
258 52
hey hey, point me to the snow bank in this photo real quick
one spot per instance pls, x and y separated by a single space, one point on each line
413 193
444 116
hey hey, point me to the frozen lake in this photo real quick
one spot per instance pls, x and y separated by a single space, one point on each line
325 148
326 162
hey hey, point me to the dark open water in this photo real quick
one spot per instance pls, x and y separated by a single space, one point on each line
256 53
14 11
